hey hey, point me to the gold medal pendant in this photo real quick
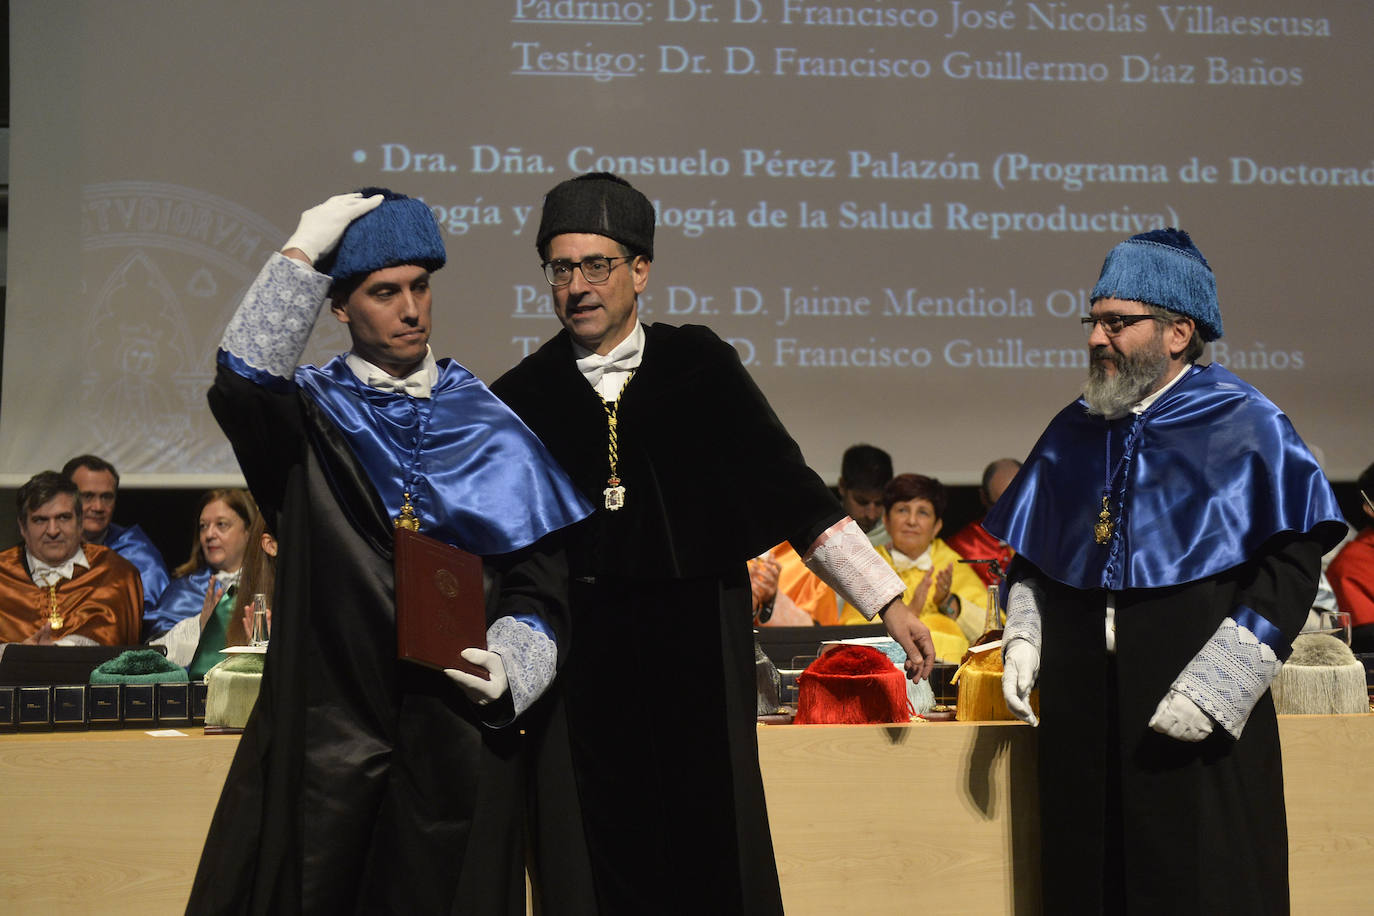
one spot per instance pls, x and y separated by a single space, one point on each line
1102 531
54 615
615 494
407 519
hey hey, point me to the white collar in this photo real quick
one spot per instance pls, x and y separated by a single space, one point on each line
45 574
608 373
901 562
1153 396
419 384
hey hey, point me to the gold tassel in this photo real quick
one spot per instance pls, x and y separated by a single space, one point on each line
979 679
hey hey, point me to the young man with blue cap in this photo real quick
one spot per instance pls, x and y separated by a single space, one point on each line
1169 528
363 783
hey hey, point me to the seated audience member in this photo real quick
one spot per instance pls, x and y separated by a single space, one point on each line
864 471
98 482
787 594
193 618
53 588
1352 573
954 598
972 542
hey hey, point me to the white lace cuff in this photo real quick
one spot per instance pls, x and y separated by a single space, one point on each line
181 640
1023 614
844 560
530 658
272 324
1229 675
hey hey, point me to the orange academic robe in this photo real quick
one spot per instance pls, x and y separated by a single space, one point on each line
103 603
804 587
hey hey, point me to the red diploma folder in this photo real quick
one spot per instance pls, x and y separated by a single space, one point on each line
440 606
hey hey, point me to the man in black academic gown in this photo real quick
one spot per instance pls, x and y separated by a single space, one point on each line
364 783
692 474
1169 528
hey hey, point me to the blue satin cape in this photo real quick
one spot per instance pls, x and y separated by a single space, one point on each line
136 547
477 476
1215 471
183 597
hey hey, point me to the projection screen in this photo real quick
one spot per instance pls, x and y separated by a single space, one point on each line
894 210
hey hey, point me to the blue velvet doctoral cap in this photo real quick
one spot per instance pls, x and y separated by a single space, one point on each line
1164 268
400 231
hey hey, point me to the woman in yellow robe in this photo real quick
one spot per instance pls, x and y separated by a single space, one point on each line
955 598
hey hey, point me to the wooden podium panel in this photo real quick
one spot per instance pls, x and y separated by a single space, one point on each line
959 838
963 838
112 822
105 822
1330 800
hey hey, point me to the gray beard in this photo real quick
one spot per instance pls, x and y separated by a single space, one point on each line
1136 376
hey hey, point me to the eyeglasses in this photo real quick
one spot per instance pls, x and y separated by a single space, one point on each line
1114 324
594 270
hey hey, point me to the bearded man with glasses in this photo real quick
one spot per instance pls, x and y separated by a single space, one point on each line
1169 528
647 808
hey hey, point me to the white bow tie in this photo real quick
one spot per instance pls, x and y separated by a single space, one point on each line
45 575
901 562
595 366
416 384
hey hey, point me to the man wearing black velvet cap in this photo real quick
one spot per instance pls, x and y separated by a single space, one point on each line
654 423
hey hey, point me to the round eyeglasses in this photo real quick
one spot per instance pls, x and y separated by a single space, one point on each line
594 270
1114 324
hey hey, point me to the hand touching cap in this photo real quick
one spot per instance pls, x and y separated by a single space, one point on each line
323 225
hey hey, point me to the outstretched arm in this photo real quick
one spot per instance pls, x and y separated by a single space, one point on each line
847 562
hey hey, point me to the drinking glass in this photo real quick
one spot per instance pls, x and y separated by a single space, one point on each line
262 621
1341 623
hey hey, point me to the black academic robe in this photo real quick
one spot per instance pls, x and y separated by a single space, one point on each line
1132 820
361 783
658 718
1218 510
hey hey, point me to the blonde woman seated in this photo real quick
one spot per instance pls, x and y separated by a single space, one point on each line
195 617
955 597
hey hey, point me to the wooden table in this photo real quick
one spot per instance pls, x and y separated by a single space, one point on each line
964 838
112 822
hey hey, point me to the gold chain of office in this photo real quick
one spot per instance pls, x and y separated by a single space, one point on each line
614 492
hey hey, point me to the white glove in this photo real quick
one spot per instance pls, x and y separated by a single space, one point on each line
323 225
481 691
1179 717
1020 668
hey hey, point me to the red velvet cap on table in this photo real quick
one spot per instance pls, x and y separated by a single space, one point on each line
851 685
